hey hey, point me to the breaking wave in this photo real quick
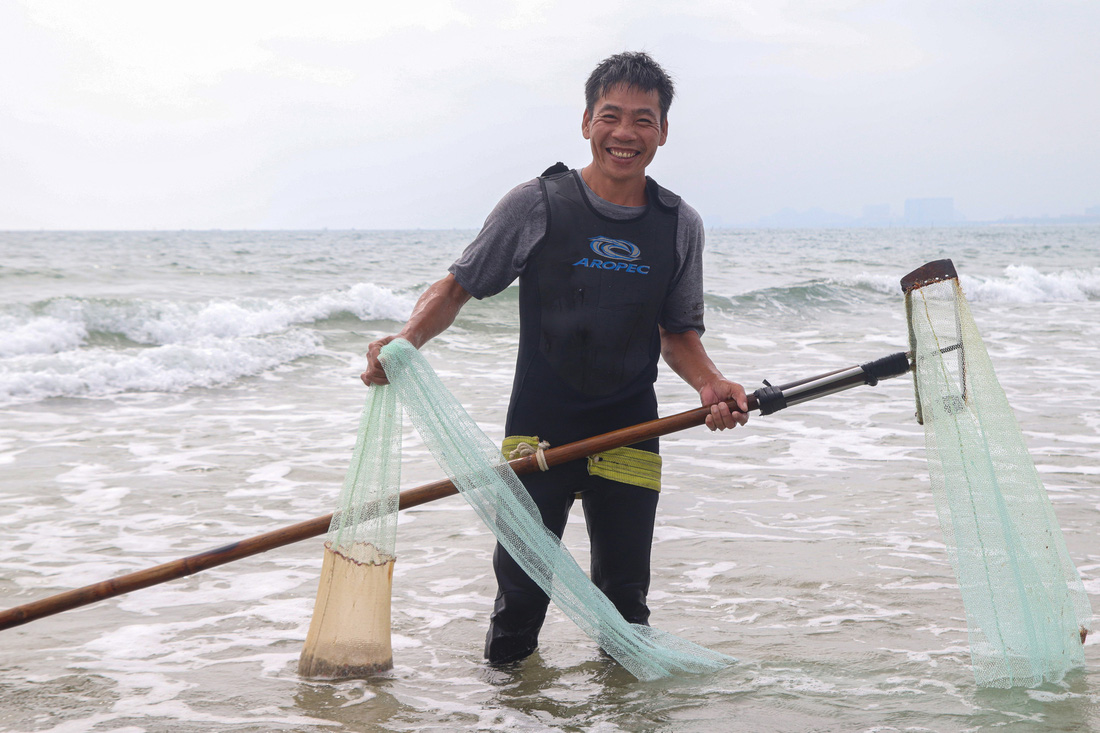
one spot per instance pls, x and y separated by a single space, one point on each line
77 347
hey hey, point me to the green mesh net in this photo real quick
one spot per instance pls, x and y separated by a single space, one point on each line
349 634
364 525
475 465
1026 608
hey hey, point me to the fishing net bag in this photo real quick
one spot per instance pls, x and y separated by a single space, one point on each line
349 633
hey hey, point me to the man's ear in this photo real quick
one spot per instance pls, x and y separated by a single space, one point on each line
664 132
586 120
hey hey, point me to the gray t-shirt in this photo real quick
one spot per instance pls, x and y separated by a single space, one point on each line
499 253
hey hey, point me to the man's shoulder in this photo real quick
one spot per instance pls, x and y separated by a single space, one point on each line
689 217
524 196
690 233
526 187
687 214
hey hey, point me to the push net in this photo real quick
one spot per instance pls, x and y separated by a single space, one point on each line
1026 609
349 634
476 466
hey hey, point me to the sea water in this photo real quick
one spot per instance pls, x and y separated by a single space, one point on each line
165 393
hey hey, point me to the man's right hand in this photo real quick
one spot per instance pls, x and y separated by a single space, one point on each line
375 374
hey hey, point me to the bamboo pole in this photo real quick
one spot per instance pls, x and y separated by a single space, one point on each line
157 574
806 389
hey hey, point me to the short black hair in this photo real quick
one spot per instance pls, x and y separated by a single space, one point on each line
633 69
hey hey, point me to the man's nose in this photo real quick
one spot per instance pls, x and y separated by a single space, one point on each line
624 131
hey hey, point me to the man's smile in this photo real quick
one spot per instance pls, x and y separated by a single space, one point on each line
620 153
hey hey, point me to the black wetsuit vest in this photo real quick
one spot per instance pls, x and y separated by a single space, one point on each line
591 295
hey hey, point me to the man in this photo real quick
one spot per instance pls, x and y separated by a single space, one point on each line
610 272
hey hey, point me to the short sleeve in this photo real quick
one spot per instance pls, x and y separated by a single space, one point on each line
499 253
683 309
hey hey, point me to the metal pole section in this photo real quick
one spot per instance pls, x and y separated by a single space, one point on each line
771 399
849 378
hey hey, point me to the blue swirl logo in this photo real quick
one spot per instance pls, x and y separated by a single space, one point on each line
615 249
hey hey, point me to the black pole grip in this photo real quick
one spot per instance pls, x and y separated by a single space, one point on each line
770 399
886 367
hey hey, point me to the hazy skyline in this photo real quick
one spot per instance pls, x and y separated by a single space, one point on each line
141 115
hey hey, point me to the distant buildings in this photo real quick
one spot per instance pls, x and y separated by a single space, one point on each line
919 212
930 212
813 218
876 215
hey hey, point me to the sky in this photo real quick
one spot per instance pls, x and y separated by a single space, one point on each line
156 114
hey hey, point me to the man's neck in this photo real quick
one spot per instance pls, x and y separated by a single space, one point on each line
630 192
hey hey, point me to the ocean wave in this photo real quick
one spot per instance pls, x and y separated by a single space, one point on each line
39 335
871 282
65 324
1025 284
58 348
811 293
101 372
1019 284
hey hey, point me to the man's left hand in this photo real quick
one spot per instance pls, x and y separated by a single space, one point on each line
715 394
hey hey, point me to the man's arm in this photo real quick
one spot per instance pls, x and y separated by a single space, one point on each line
433 314
487 266
684 352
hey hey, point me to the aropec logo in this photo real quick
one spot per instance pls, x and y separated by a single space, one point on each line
616 249
620 255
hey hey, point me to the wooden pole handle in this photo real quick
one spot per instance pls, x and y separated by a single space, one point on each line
831 383
319 525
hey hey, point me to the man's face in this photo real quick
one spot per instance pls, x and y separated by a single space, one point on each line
624 129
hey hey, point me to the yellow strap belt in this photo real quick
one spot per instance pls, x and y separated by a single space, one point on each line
625 465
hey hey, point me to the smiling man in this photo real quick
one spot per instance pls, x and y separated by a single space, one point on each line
609 265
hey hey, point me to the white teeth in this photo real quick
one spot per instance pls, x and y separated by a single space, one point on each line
617 154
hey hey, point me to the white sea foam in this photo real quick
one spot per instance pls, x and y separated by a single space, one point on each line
161 322
97 372
1018 284
1025 284
188 344
41 335
875 282
65 323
